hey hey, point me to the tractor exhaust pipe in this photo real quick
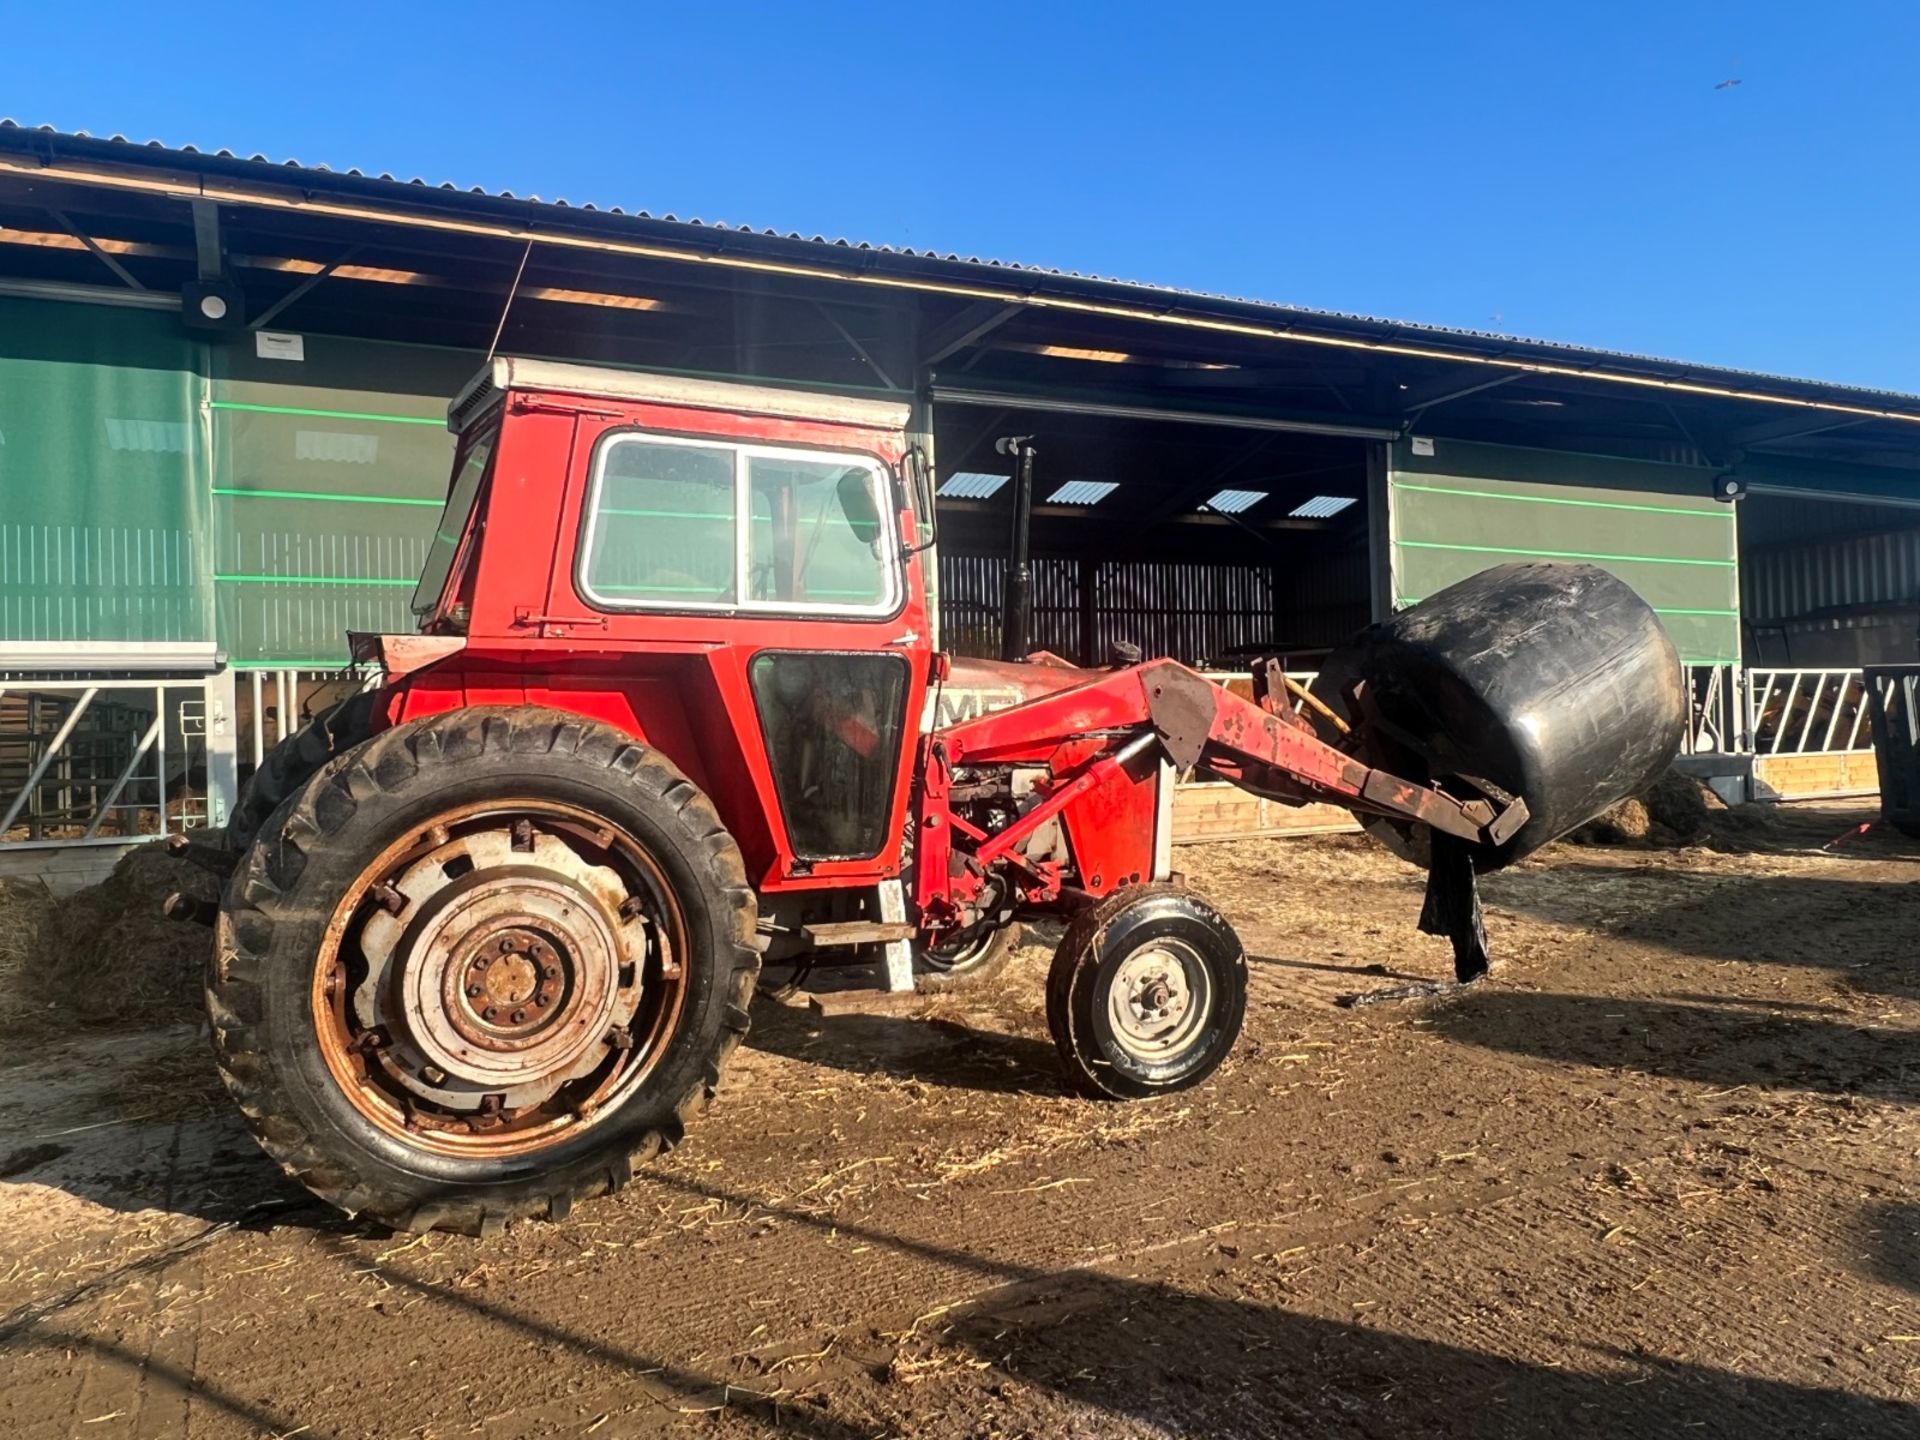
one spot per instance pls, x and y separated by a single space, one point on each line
1016 619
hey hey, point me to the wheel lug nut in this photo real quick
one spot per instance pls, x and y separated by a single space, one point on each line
490 1013
543 999
476 991
519 1015
506 945
552 972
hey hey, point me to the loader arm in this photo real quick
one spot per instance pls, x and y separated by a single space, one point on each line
1269 749
1104 733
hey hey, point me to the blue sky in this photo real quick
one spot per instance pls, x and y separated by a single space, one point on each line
1555 169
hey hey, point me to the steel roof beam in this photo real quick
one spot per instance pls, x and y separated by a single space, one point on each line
861 350
259 321
1416 402
969 327
960 395
126 275
1790 427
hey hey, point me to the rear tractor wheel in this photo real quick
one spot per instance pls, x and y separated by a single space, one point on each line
1146 993
480 967
292 762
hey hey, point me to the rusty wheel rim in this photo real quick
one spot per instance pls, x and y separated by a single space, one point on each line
500 978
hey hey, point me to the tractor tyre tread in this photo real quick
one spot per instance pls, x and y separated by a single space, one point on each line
305 820
295 760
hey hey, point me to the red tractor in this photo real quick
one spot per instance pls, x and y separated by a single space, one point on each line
674 708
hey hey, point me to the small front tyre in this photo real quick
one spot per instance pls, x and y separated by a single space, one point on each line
1146 994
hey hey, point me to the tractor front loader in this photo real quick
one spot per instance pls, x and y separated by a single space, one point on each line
673 709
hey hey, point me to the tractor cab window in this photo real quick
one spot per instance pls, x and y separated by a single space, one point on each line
662 527
462 497
816 535
696 524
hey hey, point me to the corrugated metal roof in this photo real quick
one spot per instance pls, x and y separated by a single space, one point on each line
1385 327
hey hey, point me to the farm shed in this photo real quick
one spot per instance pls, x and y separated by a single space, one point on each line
222 393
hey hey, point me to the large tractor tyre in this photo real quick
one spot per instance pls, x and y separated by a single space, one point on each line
295 760
1146 994
943 969
480 967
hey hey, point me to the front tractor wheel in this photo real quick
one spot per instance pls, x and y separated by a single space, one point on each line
1146 993
480 967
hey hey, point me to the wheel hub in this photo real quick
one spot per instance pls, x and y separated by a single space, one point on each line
1157 1000
504 971
507 989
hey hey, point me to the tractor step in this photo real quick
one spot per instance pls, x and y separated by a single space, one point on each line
857 932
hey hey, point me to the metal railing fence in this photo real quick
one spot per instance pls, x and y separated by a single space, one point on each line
102 761
1807 712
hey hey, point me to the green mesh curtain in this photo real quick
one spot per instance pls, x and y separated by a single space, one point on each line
1469 506
329 472
103 495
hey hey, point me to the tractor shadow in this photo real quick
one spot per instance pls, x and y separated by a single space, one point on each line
1051 1351
933 1048
1226 1367
1046 1351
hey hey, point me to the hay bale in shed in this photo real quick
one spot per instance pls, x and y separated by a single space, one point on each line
106 955
1627 823
1681 803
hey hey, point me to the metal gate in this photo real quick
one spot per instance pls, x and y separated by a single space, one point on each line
103 761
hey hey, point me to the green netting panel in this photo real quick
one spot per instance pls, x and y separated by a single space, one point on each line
1467 507
103 495
329 472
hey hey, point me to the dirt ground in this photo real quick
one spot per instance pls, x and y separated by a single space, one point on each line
1658 1178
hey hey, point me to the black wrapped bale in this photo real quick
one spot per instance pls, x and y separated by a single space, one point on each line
1893 716
1554 682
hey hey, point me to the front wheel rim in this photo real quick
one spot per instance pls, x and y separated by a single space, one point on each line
1159 1002
500 978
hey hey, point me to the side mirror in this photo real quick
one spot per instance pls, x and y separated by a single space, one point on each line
855 492
920 483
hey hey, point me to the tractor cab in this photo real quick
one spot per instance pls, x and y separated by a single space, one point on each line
735 574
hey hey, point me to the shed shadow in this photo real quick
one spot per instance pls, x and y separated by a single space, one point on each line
1705 1044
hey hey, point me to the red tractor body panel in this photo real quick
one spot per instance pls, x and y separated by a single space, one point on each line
678 679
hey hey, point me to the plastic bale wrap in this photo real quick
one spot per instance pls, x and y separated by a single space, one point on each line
1553 682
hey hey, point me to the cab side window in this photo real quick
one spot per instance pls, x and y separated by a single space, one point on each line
816 536
688 524
662 527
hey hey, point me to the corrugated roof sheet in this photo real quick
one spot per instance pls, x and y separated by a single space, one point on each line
1402 328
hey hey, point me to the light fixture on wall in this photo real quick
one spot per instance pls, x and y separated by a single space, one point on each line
1729 488
213 305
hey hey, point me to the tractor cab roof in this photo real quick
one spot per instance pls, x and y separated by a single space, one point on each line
508 372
